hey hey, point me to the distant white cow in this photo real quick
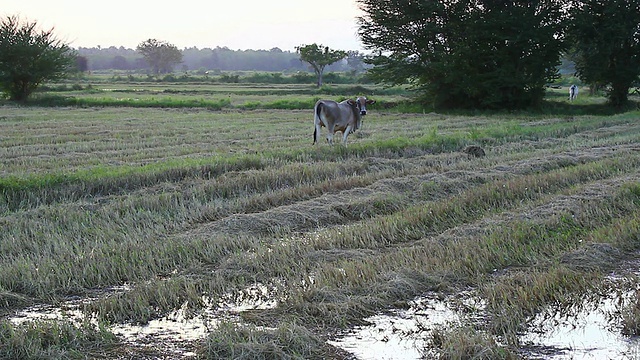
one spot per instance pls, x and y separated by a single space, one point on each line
345 116
573 92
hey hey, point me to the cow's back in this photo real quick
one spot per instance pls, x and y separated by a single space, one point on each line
334 114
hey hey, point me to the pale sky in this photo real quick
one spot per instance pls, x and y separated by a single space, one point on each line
236 24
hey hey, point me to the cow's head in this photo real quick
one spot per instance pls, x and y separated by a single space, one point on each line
361 109
361 103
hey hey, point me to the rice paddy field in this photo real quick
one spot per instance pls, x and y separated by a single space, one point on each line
176 232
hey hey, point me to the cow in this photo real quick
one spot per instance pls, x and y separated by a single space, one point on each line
573 92
345 116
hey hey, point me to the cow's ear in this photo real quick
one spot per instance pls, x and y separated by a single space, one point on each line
351 102
371 101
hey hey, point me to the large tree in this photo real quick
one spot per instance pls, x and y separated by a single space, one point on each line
30 56
318 57
160 55
605 36
465 53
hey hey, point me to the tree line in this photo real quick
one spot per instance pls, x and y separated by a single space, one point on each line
212 59
454 53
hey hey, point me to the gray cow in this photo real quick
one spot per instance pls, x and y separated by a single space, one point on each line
345 116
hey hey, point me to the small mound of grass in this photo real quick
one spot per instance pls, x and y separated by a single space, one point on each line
468 343
53 340
233 341
631 316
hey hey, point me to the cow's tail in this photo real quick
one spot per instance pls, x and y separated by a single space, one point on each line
316 120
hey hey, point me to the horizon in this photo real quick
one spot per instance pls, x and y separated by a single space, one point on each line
252 25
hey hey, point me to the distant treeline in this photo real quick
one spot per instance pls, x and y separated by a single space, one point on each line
218 59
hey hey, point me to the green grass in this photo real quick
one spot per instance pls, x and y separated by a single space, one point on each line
467 343
54 340
631 316
182 204
288 341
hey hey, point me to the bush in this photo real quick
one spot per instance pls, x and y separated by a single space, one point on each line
29 57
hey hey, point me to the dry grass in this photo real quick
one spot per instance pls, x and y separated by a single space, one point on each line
177 204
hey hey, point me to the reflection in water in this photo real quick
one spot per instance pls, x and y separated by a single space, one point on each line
399 335
589 334
69 311
592 333
171 334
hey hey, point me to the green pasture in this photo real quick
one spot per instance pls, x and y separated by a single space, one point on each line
183 206
211 96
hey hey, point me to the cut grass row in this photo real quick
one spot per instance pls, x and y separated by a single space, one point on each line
148 217
293 263
54 340
531 254
15 190
176 231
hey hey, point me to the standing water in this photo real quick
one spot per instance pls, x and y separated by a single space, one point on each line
591 333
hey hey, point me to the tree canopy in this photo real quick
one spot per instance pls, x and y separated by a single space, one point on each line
465 53
29 57
160 55
319 57
605 38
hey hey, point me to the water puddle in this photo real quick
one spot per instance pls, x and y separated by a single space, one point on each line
400 335
169 335
172 334
591 333
188 328
69 311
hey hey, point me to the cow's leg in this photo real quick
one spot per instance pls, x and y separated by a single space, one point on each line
330 132
345 134
317 132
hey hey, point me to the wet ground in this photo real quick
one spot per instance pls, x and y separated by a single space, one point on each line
592 332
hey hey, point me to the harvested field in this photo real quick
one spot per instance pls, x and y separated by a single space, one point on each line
234 225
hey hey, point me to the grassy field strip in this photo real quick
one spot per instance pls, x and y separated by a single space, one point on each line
101 180
156 212
288 259
139 137
506 245
57 340
419 220
355 235
530 253
128 183
186 207
389 195
111 132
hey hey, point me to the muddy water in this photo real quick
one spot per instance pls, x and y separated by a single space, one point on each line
399 335
172 335
591 333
